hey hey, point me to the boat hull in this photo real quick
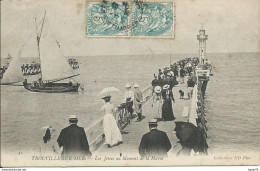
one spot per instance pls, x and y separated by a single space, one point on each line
52 87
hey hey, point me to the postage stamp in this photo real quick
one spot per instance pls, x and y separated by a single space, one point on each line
130 19
153 19
107 18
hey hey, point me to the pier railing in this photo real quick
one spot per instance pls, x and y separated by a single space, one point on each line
197 114
95 132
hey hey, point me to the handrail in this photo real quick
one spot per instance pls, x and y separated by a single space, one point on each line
193 109
197 114
95 132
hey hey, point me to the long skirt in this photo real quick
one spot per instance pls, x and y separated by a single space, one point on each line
129 106
112 133
167 113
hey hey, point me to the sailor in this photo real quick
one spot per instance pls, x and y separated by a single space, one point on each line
23 68
31 69
26 69
73 139
154 143
138 100
129 99
40 82
38 68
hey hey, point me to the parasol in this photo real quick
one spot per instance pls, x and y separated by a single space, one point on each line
108 90
189 136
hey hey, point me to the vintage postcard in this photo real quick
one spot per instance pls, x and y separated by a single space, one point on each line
130 82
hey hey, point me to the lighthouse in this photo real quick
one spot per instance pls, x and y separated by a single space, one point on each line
202 37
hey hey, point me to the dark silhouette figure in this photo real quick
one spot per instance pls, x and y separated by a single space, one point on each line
74 140
154 143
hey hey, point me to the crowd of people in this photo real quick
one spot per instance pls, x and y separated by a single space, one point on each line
35 68
154 143
31 69
73 63
2 71
73 138
167 78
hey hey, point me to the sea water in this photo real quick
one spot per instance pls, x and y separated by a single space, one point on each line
232 100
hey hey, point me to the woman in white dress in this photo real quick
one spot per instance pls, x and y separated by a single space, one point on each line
112 133
49 145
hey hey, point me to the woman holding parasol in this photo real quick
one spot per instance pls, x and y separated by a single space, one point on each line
112 133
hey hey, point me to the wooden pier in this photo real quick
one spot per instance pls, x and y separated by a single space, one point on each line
134 131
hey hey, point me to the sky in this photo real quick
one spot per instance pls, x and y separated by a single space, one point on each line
232 26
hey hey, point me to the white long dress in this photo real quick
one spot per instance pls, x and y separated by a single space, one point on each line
112 133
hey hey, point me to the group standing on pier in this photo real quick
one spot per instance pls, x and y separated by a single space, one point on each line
167 79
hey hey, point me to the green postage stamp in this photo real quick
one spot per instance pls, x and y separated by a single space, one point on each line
130 19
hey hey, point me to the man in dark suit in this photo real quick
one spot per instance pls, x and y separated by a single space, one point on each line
155 143
73 139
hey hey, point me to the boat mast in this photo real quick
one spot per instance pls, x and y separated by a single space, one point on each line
39 37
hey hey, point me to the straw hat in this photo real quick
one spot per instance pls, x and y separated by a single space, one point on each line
157 89
153 122
128 85
73 117
166 86
136 85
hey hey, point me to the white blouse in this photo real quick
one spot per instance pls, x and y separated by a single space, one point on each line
108 108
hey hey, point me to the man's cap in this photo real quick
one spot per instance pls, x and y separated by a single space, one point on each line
153 122
136 85
73 117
